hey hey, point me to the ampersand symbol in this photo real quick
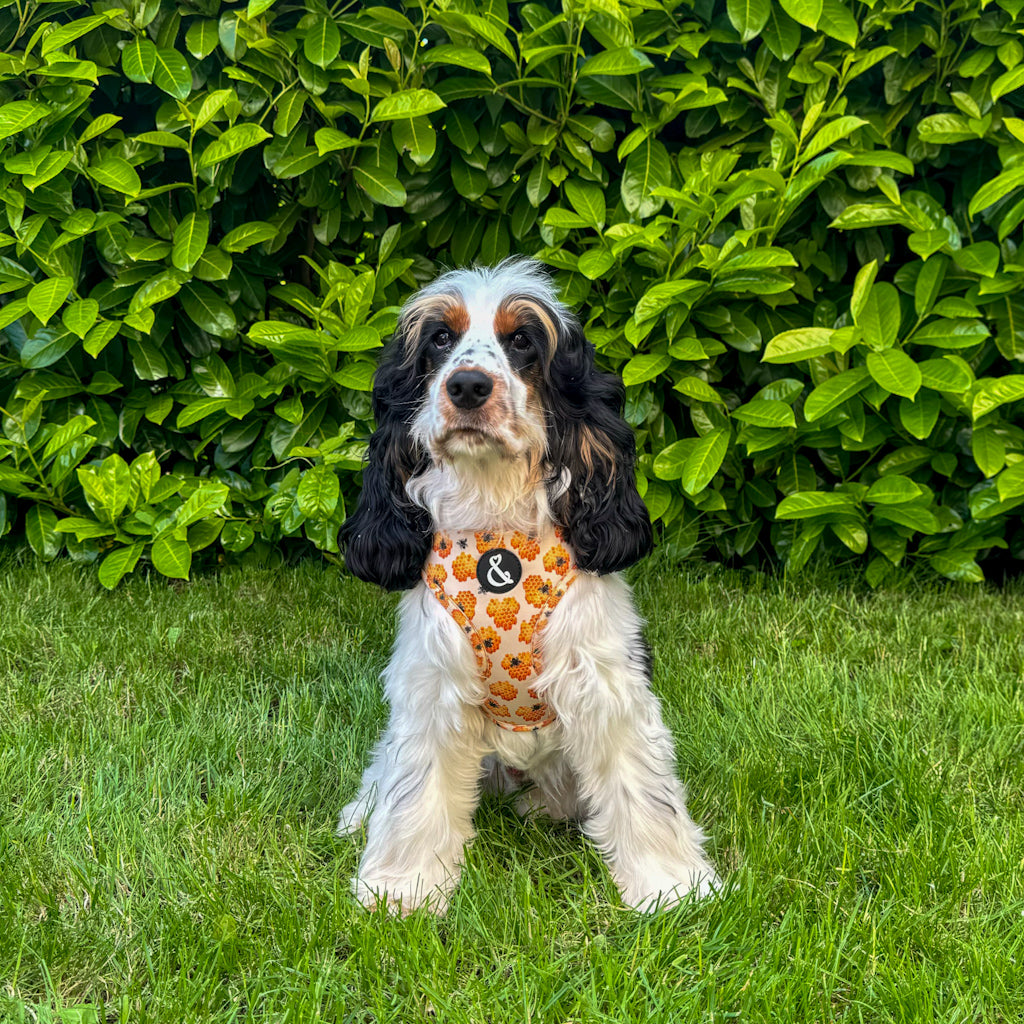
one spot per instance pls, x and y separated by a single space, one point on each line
504 579
499 571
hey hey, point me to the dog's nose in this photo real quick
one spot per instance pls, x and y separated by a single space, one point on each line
469 389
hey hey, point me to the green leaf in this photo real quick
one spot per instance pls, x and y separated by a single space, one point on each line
318 492
994 392
648 167
158 288
118 174
118 563
202 38
408 103
190 237
830 134
951 334
929 283
806 12
694 387
748 17
381 187
981 258
763 412
595 263
660 297
802 343
880 317
205 501
920 415
670 462
893 490
781 34
171 557
895 371
587 200
807 504
862 288
245 236
957 565
147 359
206 309
837 21
138 60
622 61
357 376
45 347
48 296
1007 82
415 136
172 74
20 114
64 435
991 192
41 532
988 450
915 517
329 140
232 141
852 534
1011 482
645 367
323 41
459 56
834 391
705 460
945 375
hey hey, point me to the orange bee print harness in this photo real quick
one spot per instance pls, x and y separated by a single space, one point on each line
501 592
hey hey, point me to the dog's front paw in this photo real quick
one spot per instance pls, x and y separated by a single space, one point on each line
660 886
402 895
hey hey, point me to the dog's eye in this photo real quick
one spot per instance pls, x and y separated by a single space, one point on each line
520 342
442 339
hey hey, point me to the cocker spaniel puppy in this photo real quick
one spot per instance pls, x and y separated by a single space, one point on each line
500 495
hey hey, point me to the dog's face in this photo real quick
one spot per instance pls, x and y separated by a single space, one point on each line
488 364
484 346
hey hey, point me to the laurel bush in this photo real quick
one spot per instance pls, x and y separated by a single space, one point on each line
791 225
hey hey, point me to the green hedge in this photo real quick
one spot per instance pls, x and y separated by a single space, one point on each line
792 227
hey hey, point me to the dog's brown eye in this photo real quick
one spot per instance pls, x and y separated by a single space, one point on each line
520 341
442 339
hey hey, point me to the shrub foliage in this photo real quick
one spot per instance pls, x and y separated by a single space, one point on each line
791 225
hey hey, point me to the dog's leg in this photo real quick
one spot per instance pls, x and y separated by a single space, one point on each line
422 787
621 750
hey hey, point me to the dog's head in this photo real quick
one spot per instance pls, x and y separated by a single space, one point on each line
488 366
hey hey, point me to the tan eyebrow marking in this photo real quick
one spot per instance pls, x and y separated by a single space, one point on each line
517 311
448 308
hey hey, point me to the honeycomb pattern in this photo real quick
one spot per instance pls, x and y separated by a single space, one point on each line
548 570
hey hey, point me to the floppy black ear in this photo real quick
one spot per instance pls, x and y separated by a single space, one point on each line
606 520
387 538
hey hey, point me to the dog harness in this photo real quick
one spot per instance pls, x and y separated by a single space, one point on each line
501 590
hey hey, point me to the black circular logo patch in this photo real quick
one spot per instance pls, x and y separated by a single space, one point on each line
498 570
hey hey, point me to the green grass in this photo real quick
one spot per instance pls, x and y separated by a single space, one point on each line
173 758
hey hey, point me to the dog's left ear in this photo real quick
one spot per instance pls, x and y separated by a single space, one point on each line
593 450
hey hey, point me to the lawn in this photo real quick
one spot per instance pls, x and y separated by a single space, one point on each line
173 758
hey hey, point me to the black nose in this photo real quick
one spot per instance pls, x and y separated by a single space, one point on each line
468 389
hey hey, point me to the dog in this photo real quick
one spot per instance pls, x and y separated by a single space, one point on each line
499 493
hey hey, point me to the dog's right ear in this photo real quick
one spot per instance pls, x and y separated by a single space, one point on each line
387 539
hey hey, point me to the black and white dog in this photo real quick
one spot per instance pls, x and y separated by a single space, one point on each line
500 481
